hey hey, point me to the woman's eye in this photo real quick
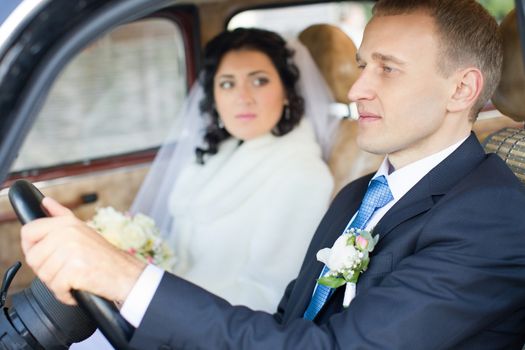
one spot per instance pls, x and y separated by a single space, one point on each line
361 66
226 84
260 81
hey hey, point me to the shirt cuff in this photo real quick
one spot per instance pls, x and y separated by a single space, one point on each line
141 294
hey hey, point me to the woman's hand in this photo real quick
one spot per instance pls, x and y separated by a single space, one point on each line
67 254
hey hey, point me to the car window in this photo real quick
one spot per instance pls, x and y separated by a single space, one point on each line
351 17
498 8
119 95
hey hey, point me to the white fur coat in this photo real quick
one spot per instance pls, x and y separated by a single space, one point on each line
243 220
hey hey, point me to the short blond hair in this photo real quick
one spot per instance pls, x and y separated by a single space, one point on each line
468 37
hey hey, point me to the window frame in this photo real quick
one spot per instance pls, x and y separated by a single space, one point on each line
49 64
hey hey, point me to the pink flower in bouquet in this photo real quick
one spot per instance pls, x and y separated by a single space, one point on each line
361 242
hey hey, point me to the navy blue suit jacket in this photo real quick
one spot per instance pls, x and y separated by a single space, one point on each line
448 273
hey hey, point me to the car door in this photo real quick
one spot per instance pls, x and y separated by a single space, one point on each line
88 91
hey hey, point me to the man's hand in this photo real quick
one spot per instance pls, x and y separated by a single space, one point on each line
67 254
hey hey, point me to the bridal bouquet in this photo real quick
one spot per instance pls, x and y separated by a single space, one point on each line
135 234
346 260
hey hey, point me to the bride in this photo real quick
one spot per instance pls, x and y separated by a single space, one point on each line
243 191
243 208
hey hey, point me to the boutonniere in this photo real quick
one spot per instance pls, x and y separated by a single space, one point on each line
346 260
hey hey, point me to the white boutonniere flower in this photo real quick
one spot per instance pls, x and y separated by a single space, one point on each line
346 260
136 234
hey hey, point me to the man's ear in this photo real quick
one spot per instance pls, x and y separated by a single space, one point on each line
469 83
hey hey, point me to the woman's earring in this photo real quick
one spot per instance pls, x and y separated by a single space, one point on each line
220 124
286 114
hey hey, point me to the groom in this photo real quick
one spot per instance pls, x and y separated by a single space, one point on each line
448 271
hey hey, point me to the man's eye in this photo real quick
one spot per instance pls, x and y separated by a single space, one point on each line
387 69
361 66
226 84
260 81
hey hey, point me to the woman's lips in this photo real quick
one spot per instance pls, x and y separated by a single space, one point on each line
245 116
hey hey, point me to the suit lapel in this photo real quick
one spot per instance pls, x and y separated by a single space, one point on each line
433 186
421 198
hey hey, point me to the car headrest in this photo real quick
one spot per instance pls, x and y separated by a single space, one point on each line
508 97
509 142
334 53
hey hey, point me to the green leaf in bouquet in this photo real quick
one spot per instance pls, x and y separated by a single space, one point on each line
331 281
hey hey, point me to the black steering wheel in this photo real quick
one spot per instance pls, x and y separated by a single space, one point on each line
26 200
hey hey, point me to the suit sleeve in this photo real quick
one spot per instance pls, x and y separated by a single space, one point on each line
462 277
185 316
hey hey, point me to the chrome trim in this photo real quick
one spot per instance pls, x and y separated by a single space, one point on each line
10 56
22 14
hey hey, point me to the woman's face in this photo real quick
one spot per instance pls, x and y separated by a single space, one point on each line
248 93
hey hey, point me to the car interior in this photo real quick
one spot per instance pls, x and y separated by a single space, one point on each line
97 181
509 142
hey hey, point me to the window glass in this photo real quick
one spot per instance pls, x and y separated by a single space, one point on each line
498 8
351 17
121 94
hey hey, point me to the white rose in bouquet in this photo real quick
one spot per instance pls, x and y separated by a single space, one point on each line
136 234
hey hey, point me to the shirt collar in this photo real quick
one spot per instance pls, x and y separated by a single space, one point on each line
402 180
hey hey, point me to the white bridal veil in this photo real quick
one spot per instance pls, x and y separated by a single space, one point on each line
179 148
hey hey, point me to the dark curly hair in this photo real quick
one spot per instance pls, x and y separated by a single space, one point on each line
273 46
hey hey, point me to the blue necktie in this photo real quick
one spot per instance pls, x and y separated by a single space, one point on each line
377 196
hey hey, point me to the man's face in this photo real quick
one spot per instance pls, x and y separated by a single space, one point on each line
401 96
